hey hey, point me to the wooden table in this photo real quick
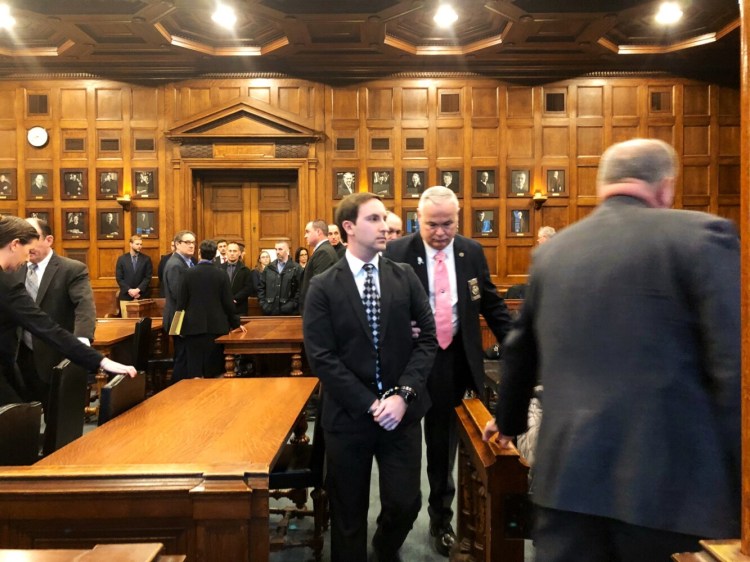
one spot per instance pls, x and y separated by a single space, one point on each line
149 552
188 468
266 335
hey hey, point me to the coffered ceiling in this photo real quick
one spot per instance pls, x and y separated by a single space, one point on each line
339 41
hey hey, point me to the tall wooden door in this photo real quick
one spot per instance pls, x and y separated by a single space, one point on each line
258 208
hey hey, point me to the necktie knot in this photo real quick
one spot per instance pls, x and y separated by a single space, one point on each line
368 267
33 267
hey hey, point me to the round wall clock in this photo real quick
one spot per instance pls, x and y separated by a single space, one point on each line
37 136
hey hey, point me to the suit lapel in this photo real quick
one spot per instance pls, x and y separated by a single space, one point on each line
387 288
418 261
49 272
462 281
349 287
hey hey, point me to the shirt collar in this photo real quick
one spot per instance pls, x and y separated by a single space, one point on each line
356 264
431 252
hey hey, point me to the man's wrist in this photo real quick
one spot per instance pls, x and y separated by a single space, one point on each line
407 393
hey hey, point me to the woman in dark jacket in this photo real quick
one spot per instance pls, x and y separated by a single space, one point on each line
17 309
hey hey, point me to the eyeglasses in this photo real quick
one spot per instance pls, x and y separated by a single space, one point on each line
188 242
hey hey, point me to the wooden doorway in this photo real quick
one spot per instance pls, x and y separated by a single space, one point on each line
256 207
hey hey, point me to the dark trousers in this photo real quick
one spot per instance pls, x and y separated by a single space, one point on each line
564 536
446 385
180 369
205 358
349 457
35 387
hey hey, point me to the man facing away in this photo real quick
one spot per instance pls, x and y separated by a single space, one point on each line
632 323
454 273
278 292
357 328
133 272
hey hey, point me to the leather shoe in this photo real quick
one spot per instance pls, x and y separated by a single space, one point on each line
444 538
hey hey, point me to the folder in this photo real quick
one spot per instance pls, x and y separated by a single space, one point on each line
176 327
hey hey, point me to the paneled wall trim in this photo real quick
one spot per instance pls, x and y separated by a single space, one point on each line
496 144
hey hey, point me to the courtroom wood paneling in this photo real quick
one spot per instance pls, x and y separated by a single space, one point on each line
260 94
695 180
414 103
625 101
590 101
555 142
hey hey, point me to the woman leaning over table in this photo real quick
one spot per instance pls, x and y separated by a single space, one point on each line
17 309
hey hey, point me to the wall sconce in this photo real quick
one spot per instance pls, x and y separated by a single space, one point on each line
125 202
539 199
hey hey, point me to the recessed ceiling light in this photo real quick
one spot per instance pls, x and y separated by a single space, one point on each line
224 16
6 20
445 15
669 13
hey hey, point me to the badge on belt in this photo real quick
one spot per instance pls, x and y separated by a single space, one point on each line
474 289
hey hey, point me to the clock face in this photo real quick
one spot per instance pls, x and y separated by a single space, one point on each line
37 136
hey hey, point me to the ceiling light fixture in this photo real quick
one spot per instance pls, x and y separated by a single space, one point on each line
669 13
6 20
224 16
445 16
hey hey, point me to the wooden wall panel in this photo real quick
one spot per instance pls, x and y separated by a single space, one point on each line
662 132
290 100
260 94
695 100
590 141
520 102
108 104
450 143
518 259
620 134
624 101
484 102
73 103
591 101
695 141
380 103
7 104
729 141
345 104
226 94
520 142
200 100
107 260
729 179
586 181
484 143
555 142
414 103
8 146
695 180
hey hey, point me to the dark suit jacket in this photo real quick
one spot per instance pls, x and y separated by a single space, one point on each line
173 271
206 298
637 343
65 294
338 343
129 278
471 265
320 260
18 310
241 284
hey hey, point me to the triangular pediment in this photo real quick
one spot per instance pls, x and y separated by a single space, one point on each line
247 119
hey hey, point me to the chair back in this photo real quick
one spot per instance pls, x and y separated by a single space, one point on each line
120 394
68 399
19 433
142 343
516 291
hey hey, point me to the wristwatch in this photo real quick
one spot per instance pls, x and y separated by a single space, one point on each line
407 393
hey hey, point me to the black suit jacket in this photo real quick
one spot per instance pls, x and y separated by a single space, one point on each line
338 343
65 294
320 260
173 271
241 285
18 310
206 298
471 271
637 342
129 278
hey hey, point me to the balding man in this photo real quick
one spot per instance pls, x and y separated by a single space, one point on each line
395 226
632 323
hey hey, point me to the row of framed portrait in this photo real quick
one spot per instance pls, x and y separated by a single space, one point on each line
109 223
483 182
74 184
486 223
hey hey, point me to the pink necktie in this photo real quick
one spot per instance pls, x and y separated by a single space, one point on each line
443 305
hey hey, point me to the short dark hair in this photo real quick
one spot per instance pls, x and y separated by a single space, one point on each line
322 225
348 209
208 250
12 228
220 240
178 237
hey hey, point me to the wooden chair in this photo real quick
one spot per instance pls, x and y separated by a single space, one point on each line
68 398
120 394
19 433
301 466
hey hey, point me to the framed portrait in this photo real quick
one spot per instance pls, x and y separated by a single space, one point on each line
452 180
39 185
75 224
411 222
41 214
519 183
8 186
381 182
108 183
145 223
74 184
415 182
484 182
485 223
145 184
557 185
345 182
519 223
110 224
